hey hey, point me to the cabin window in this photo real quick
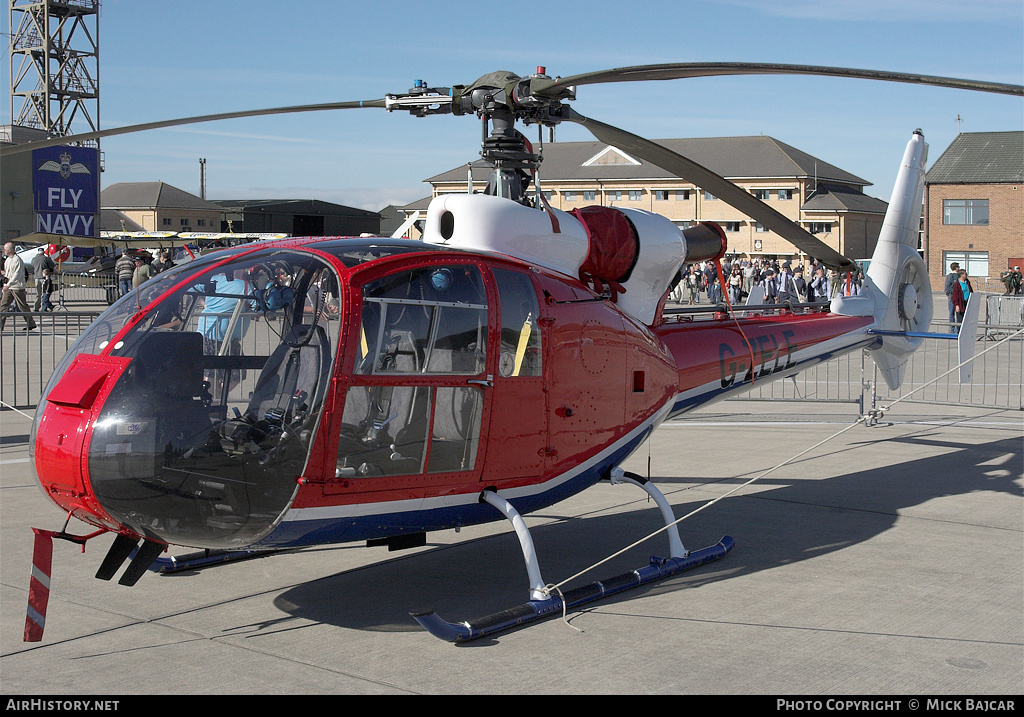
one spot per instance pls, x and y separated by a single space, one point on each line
428 320
520 351
423 323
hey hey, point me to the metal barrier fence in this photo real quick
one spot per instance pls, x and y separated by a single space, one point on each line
28 358
997 378
80 289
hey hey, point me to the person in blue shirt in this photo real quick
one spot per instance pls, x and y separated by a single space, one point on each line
218 312
962 291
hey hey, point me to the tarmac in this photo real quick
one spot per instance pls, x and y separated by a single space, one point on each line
885 562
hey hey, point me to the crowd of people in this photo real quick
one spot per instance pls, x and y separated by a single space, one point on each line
780 281
1011 279
131 269
135 269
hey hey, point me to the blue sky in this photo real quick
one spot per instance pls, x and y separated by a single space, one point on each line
181 58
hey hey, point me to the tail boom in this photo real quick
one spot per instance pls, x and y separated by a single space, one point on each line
716 360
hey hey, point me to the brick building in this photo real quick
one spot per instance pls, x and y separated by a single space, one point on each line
974 208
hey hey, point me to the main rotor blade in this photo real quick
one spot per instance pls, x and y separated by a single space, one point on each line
683 70
88 136
721 187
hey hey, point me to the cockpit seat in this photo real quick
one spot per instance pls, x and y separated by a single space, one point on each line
168 370
289 383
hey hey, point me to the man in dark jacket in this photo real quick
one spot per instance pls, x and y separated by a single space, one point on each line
39 262
125 268
951 279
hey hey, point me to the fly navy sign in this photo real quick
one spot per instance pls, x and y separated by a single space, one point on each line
65 183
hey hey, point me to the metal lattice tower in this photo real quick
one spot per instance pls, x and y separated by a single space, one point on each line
55 53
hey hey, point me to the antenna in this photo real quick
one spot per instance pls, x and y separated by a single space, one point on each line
202 178
958 121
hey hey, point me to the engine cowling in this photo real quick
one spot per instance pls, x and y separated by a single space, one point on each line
634 253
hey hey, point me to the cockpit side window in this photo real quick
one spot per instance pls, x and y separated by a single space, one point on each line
520 352
428 320
418 326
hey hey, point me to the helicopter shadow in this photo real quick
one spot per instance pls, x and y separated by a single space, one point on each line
791 521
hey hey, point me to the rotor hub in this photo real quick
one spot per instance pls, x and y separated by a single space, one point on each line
908 301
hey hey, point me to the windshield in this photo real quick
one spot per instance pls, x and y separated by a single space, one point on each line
204 435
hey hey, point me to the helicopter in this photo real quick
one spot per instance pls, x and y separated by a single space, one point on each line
295 392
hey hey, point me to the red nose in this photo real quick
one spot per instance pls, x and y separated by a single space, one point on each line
62 437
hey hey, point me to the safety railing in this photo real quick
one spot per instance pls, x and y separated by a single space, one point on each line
997 375
27 360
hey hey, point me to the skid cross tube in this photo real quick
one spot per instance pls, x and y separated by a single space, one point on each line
544 603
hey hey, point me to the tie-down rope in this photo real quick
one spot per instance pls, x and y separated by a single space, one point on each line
548 589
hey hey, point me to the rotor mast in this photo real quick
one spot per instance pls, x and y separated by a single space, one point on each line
500 99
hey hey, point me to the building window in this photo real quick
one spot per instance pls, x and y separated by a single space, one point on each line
614 195
682 195
975 262
661 195
785 194
760 228
731 226
166 221
635 195
965 211
820 227
709 196
589 195
184 222
200 222
762 194
569 196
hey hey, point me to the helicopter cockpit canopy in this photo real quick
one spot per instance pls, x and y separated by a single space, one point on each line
212 420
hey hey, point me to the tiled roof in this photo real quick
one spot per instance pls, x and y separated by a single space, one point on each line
731 157
833 198
980 158
151 195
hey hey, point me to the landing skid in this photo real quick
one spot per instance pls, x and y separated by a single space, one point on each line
544 603
203 559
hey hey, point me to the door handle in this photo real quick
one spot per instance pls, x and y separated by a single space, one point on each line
482 383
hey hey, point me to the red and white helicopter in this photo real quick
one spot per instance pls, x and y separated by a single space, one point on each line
315 391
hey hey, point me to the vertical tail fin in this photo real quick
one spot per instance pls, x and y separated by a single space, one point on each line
897 291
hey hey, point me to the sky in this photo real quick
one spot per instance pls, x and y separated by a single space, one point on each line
162 60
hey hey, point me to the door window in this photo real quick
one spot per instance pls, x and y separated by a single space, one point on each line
417 328
520 351
428 320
